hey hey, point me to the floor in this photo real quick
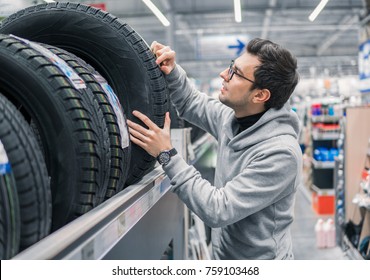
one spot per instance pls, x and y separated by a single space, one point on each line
303 232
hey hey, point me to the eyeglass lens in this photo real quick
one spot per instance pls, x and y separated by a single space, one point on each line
231 71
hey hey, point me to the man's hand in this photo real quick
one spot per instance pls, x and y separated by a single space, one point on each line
165 57
152 139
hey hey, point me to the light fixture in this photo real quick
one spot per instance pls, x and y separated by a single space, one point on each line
237 11
318 10
49 1
157 12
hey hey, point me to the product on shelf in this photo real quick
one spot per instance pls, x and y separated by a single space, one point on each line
113 48
325 154
319 231
327 109
325 127
325 233
329 233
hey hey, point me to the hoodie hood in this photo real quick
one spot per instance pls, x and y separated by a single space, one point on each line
273 123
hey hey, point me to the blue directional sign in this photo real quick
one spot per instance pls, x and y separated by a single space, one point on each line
239 47
220 46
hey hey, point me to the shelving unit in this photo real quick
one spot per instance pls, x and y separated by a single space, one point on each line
324 136
137 223
326 118
323 143
323 164
339 198
357 134
350 250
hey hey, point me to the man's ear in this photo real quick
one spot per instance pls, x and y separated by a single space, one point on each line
262 96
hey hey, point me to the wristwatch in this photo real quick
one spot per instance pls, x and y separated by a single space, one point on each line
164 157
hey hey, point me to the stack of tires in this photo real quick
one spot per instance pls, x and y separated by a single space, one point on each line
70 75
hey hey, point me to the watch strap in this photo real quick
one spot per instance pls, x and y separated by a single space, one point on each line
173 152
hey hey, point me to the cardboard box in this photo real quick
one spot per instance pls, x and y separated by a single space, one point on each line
323 201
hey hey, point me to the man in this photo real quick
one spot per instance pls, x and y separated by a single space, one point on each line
250 206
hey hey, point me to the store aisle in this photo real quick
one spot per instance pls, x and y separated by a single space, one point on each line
303 232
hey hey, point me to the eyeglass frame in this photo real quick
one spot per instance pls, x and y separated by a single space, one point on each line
231 73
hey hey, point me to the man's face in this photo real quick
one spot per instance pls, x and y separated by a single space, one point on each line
236 93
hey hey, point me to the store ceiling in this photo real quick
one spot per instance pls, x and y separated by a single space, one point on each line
201 31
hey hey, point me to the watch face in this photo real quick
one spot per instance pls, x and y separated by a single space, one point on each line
164 157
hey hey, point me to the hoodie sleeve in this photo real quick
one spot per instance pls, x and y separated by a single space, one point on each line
268 178
196 107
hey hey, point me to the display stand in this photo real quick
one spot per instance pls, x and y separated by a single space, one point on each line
323 166
137 223
356 146
339 199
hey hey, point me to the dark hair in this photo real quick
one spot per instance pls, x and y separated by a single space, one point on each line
277 72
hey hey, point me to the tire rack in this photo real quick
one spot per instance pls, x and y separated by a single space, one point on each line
137 223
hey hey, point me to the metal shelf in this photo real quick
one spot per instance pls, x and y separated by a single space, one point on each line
123 221
325 135
323 164
351 251
319 191
94 233
325 118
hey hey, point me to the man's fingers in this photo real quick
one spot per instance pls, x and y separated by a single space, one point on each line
145 119
161 60
138 142
155 46
152 45
138 135
166 69
162 50
166 55
137 127
167 121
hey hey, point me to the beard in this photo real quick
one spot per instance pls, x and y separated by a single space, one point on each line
226 101
239 105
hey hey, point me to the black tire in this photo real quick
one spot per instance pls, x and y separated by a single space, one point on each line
10 230
65 122
29 169
120 148
30 174
113 48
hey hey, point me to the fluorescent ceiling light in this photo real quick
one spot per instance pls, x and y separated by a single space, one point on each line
49 1
318 10
237 11
157 12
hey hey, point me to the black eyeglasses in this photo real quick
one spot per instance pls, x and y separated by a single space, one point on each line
232 72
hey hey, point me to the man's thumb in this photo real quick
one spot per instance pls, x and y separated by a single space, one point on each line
167 121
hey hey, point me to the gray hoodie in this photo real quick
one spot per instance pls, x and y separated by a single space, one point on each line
250 206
